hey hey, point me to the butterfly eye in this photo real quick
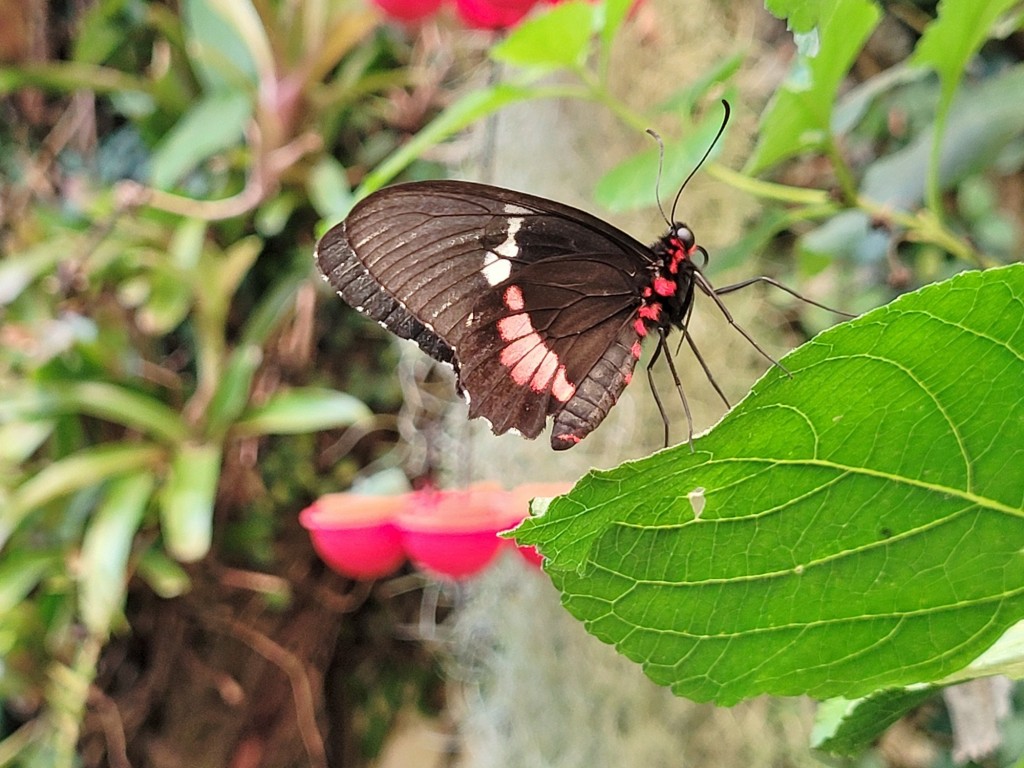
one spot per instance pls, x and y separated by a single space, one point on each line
686 236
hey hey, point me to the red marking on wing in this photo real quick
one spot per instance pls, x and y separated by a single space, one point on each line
664 286
650 311
567 438
515 327
639 327
636 350
513 298
562 389
530 362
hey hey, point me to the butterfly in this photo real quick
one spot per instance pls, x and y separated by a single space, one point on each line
541 308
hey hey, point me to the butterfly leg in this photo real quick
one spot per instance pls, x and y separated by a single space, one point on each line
663 347
707 288
704 366
773 282
700 358
654 388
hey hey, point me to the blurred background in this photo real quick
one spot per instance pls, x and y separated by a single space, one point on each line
176 382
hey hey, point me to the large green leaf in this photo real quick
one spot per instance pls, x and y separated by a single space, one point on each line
862 524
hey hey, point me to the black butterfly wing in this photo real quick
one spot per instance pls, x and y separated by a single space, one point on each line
534 302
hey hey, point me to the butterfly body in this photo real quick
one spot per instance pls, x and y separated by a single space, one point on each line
540 307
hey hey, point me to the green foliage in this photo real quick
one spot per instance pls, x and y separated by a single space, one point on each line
143 317
861 525
851 531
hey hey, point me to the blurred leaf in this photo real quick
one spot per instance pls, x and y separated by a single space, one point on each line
106 547
631 184
459 115
685 100
610 16
847 235
164 576
221 58
853 537
167 303
983 121
20 439
69 76
349 29
277 303
800 15
303 409
87 468
555 38
187 498
20 573
96 398
272 217
855 102
844 727
799 116
20 270
232 394
949 42
186 246
329 190
214 124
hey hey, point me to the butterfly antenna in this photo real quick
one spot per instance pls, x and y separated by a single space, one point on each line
657 183
721 130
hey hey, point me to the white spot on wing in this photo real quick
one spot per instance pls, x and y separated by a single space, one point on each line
516 210
509 249
496 270
497 266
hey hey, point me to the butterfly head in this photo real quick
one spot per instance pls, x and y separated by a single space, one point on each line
684 236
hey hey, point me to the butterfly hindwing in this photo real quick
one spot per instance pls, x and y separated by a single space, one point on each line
533 301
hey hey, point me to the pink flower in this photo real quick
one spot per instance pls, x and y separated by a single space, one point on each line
408 10
451 534
493 14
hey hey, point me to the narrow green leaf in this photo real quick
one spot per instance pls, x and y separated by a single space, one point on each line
463 113
799 116
163 575
85 469
105 549
21 571
686 98
19 271
329 190
958 32
863 525
214 124
232 394
555 38
303 409
187 498
946 46
631 184
69 76
217 50
100 399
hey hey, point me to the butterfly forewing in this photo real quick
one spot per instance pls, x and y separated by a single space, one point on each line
533 301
